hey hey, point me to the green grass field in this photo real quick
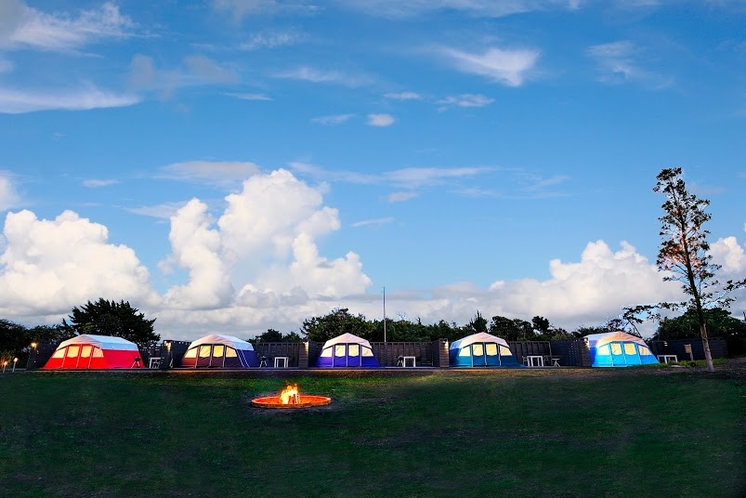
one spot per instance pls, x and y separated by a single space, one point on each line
548 433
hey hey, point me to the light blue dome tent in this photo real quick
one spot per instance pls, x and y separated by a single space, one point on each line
219 351
618 349
481 350
347 350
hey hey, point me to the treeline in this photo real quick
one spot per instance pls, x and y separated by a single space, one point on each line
122 320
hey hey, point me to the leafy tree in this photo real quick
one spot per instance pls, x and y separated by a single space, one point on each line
477 324
720 323
511 329
339 321
685 255
272 335
111 318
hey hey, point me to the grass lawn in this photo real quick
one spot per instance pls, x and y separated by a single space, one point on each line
538 433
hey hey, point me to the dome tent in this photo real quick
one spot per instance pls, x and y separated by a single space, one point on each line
88 351
347 350
618 349
481 350
219 351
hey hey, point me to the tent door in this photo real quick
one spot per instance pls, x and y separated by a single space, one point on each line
478 355
631 354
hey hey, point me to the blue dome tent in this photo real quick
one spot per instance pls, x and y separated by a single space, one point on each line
618 349
481 350
347 350
219 351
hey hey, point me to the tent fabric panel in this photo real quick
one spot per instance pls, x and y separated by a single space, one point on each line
478 337
97 359
347 338
227 340
337 355
608 337
101 341
478 355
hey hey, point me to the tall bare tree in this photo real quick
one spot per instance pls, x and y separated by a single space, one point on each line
685 253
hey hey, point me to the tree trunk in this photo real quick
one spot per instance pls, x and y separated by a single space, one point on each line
706 347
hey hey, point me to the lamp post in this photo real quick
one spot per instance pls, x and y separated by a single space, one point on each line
15 360
5 364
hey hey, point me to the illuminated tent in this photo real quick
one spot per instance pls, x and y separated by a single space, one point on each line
347 350
618 349
89 351
481 350
219 351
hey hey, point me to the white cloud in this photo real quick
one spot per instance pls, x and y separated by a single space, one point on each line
420 177
162 211
728 253
620 61
403 96
380 120
272 39
219 173
241 8
22 26
482 8
48 266
465 100
333 119
9 198
314 75
95 183
22 101
195 70
373 222
508 67
401 196
249 96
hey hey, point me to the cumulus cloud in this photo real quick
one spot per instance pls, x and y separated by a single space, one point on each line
48 266
380 120
22 26
508 67
90 97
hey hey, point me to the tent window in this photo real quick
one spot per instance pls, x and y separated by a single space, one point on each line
230 353
97 353
72 351
465 351
603 351
192 353
353 350
339 350
85 352
616 348
630 348
505 351
477 349
491 349
204 351
218 350
367 351
326 353
644 351
60 353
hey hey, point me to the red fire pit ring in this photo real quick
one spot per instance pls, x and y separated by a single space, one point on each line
302 401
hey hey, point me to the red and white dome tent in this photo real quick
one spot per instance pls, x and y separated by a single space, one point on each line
88 351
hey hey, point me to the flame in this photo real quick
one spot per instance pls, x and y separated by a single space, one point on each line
289 395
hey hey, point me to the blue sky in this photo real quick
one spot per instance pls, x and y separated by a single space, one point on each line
235 165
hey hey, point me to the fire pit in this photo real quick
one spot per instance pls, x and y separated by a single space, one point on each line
290 399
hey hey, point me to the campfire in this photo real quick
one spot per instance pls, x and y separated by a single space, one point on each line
290 398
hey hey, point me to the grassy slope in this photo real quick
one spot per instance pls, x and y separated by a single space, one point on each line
538 433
